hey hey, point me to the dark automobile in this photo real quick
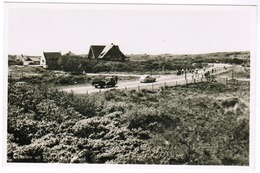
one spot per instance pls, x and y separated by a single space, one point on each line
107 82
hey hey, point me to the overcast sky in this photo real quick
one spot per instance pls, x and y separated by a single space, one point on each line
152 29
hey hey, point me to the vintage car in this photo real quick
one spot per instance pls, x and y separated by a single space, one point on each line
107 82
147 79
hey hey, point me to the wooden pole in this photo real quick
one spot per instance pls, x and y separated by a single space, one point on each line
163 69
185 72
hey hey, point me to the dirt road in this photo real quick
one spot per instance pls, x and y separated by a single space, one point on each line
160 80
123 85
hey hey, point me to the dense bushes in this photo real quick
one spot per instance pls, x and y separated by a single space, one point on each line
18 62
140 63
77 64
193 124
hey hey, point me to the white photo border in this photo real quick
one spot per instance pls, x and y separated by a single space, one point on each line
254 101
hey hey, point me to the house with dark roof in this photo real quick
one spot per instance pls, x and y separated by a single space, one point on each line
108 52
50 60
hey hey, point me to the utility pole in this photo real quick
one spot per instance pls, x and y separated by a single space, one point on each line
163 69
185 70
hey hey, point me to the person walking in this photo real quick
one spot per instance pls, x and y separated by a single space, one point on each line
116 78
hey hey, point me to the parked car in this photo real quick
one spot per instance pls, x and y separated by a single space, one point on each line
107 82
20 83
147 79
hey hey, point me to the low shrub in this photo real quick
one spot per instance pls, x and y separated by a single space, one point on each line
177 125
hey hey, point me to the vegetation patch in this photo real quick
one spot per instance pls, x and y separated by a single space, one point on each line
196 124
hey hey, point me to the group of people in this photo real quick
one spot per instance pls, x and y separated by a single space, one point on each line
207 73
195 73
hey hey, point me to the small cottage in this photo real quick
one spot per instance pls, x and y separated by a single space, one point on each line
50 60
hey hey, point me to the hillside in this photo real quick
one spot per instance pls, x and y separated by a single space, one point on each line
217 55
196 124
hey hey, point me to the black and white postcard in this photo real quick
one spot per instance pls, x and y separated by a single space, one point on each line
136 84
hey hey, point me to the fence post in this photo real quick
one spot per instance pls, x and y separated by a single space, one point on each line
194 80
226 80
125 88
99 90
237 81
138 88
176 83
186 81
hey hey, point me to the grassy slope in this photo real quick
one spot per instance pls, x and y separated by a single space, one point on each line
240 55
238 72
204 124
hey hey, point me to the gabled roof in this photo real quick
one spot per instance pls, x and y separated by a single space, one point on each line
96 50
105 50
52 55
100 51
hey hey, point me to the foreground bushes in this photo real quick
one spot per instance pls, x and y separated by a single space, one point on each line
205 124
